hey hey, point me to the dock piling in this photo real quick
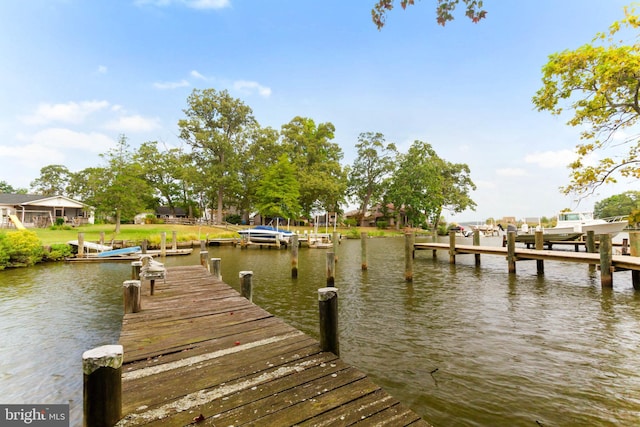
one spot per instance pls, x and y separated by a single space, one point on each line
511 251
246 285
452 247
476 242
634 250
331 265
215 268
135 270
328 308
163 244
132 296
203 259
294 256
408 257
363 249
102 385
606 275
539 246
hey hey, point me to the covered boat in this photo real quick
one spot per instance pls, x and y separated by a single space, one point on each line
266 234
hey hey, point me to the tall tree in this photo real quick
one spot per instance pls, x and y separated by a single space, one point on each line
618 205
456 184
215 126
375 161
600 82
278 192
5 187
53 180
162 170
316 158
444 10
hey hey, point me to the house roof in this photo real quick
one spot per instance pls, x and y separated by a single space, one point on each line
8 199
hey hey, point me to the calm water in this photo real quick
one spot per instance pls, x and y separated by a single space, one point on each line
462 346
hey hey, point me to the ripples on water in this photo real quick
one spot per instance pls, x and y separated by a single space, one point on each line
462 346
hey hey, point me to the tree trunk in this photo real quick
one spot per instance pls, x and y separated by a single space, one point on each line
219 213
117 221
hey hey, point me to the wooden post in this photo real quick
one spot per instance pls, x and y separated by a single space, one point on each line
163 244
203 259
452 247
131 293
331 263
591 247
539 246
634 250
476 242
203 245
511 251
215 268
408 257
102 385
294 256
606 275
102 237
81 245
625 247
135 270
363 249
328 308
246 285
144 246
335 239
174 240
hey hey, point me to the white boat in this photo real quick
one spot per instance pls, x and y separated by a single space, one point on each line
266 234
582 222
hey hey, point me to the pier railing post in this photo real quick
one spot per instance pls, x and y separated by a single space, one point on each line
363 249
246 285
132 296
135 270
452 247
102 385
606 274
328 308
331 264
539 246
511 251
203 259
408 257
294 256
215 268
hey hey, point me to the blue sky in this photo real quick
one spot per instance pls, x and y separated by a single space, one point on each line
76 74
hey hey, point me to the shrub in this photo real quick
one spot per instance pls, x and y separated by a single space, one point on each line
350 222
59 221
353 233
4 252
381 225
58 252
24 248
233 219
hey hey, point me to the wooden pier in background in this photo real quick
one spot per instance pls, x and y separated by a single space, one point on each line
199 353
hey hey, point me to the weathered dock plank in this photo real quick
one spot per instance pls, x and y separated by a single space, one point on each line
199 353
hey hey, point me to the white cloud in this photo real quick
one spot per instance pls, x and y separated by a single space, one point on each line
248 87
102 69
66 139
171 85
511 172
193 4
71 112
133 123
551 159
197 75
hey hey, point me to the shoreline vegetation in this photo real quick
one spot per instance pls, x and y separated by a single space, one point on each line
23 248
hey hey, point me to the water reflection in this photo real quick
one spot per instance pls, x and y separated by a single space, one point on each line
461 345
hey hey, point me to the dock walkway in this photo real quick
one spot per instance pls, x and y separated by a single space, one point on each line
199 353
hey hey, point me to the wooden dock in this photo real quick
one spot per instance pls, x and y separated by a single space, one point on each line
198 353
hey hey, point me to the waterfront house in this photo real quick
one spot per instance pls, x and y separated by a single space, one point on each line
33 210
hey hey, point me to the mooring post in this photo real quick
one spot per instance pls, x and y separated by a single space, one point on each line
246 285
476 242
591 247
132 296
625 247
102 237
606 274
363 249
203 259
511 251
408 257
163 244
135 270
174 240
331 264
144 246
539 246
634 250
102 385
203 245
452 247
294 256
215 268
80 245
335 239
328 308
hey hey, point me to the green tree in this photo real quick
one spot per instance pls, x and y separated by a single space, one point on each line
599 82
215 128
375 161
53 180
162 171
316 159
278 192
5 187
444 10
619 205
456 184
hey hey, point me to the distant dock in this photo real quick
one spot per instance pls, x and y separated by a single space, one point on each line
199 353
